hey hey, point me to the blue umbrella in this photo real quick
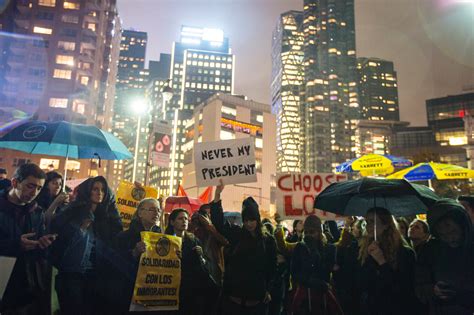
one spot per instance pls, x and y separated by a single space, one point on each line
65 139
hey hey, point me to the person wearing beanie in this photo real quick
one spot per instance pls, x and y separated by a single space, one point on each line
445 273
311 268
250 260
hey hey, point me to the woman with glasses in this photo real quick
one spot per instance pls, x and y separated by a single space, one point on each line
129 243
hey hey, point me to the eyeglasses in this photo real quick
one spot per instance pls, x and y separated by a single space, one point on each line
153 209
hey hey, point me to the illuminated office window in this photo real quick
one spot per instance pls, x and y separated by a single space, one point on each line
42 30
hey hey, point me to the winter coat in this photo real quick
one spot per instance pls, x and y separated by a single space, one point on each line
126 242
312 265
344 276
106 223
439 262
213 247
385 290
197 290
26 279
105 227
311 269
250 262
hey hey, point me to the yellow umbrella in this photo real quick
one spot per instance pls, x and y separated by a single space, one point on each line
429 171
376 164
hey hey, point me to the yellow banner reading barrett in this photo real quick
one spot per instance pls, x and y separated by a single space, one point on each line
159 273
128 197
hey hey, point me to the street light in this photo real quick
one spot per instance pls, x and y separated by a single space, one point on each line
140 106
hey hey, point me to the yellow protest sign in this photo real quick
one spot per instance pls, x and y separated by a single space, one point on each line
128 197
159 274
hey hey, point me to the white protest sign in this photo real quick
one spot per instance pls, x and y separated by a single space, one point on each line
295 193
233 161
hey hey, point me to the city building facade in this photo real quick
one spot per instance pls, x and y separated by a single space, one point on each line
225 117
330 98
201 65
378 90
446 119
58 61
287 80
376 137
131 82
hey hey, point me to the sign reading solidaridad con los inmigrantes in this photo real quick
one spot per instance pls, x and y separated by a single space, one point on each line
159 274
295 193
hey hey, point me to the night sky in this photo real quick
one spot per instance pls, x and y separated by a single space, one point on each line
431 42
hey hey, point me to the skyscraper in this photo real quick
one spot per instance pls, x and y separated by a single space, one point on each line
378 91
201 65
57 62
287 79
330 101
130 90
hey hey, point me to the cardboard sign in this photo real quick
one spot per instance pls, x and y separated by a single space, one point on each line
233 161
159 274
295 193
128 197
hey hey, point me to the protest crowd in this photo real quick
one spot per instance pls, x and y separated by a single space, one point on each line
73 246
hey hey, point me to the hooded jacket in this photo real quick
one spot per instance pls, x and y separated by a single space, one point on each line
439 262
106 224
25 280
250 262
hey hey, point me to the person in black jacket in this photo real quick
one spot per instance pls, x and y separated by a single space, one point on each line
250 260
22 236
445 273
347 249
193 292
84 255
51 199
131 246
311 268
386 268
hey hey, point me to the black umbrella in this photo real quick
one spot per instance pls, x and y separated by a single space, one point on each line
356 197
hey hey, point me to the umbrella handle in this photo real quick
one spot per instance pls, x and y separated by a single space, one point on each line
65 169
375 225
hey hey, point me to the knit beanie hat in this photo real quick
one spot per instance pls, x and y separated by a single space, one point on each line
312 222
250 210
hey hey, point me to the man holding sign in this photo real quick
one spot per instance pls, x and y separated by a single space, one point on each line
131 246
159 274
232 161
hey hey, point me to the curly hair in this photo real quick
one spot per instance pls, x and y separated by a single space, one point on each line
389 242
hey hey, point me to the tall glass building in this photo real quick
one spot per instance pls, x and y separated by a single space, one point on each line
202 65
329 97
378 90
287 80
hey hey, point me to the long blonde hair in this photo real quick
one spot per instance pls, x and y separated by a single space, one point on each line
389 242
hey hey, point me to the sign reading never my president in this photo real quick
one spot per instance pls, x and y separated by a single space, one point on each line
233 161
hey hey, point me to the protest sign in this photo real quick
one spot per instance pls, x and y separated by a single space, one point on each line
295 193
128 197
233 161
6 268
159 274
